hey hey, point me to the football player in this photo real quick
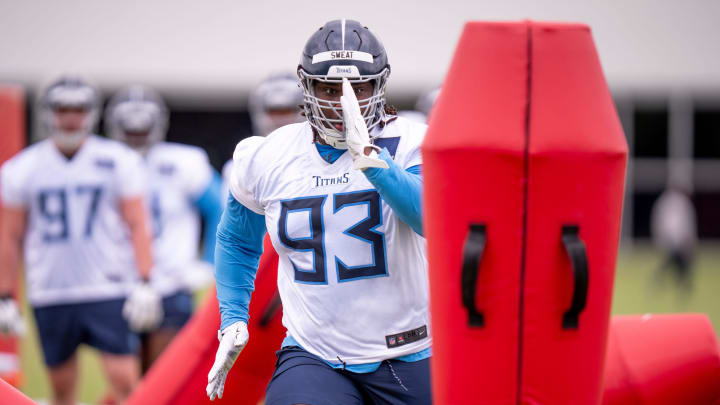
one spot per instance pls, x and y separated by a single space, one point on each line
73 204
340 196
274 103
183 187
423 106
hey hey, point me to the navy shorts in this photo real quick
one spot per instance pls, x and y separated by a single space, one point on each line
303 378
100 324
177 310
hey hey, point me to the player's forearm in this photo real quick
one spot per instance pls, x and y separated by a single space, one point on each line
211 207
401 190
237 254
12 229
134 215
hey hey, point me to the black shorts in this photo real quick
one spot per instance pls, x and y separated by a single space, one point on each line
100 324
303 378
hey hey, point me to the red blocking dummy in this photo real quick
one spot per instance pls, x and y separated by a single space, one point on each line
662 360
10 395
524 165
179 376
12 140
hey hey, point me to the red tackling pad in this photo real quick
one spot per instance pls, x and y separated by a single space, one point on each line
12 140
662 360
10 395
179 376
524 165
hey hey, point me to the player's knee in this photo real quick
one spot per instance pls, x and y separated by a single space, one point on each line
123 387
63 394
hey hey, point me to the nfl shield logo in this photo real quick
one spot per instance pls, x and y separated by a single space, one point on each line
391 341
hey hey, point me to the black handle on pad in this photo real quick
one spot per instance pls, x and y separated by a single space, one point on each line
575 248
472 254
270 310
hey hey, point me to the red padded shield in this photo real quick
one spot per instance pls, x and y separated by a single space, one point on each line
10 395
179 376
524 165
662 360
12 140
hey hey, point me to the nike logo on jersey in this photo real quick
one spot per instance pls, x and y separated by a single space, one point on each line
320 181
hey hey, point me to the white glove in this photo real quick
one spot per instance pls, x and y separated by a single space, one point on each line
232 340
11 323
356 132
197 275
143 308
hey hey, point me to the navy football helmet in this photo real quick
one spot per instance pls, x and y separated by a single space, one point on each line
137 116
69 93
343 49
275 103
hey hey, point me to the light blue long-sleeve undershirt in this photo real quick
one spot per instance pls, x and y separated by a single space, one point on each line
237 255
240 238
209 203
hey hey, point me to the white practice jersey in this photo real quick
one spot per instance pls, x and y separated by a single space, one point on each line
77 247
352 276
226 175
178 176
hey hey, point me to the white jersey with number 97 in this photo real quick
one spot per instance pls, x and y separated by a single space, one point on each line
352 276
77 246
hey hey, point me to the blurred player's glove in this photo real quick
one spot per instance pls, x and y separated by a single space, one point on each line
356 132
232 340
11 323
197 275
143 308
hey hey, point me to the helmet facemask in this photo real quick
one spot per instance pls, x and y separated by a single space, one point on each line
373 107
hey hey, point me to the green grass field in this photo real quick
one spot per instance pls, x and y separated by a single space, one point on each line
637 291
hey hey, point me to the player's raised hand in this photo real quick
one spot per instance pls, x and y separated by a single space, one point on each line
143 308
356 132
232 340
11 323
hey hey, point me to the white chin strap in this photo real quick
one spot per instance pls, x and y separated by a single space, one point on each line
336 143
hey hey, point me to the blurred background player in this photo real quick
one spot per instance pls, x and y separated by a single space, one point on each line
423 106
345 221
674 231
183 187
274 103
74 204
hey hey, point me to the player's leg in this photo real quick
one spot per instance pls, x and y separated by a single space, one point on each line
177 310
109 332
397 382
63 380
123 373
60 332
302 378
